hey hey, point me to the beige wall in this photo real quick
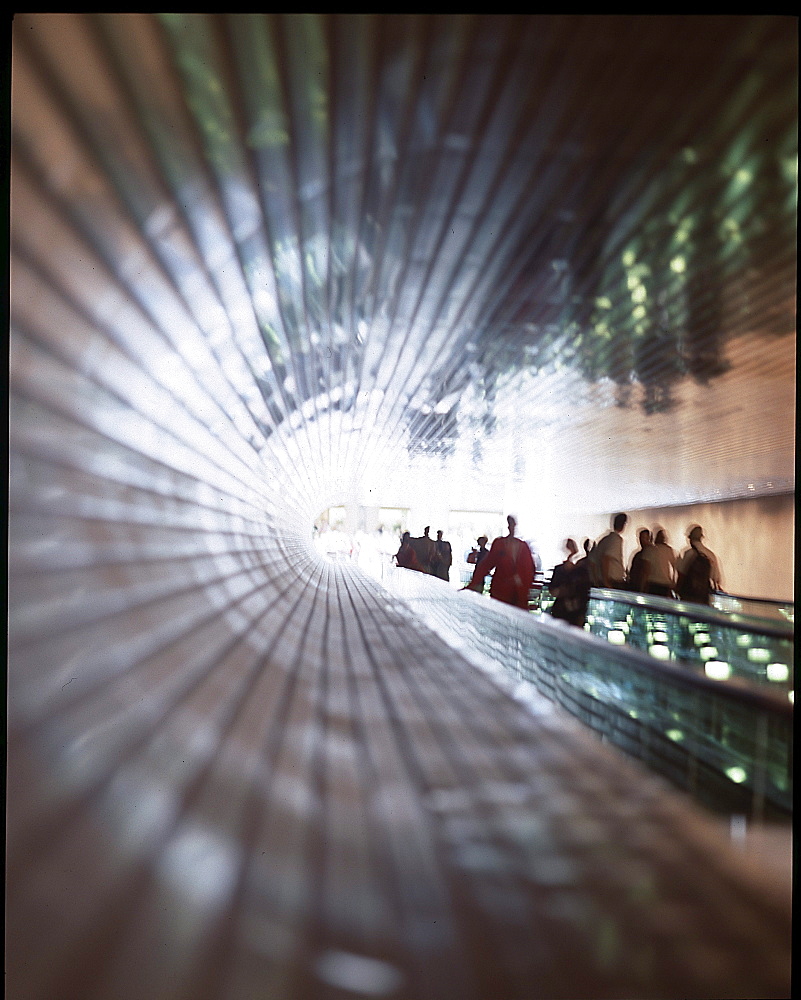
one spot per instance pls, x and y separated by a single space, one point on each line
753 539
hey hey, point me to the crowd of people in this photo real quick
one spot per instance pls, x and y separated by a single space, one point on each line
654 568
510 560
425 554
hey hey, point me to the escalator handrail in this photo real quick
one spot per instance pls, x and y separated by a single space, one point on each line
432 590
700 612
644 663
756 600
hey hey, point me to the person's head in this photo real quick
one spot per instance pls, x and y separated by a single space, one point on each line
426 530
695 534
511 521
645 537
439 536
661 537
405 536
482 541
570 547
619 522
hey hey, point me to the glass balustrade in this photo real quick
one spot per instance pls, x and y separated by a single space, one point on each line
722 642
723 646
724 736
757 607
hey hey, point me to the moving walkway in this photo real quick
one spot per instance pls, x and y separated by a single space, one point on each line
702 698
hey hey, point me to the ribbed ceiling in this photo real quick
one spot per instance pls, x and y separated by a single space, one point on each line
532 246
260 264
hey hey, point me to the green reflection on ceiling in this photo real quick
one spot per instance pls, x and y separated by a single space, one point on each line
661 264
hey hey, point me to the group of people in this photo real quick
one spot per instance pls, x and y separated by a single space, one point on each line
654 569
509 559
512 565
425 554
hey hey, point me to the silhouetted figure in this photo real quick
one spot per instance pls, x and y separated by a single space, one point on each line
443 559
661 561
535 555
582 584
514 569
588 546
406 557
586 560
639 568
570 585
426 549
476 555
698 570
607 557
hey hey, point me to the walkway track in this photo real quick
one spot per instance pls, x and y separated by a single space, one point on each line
333 802
263 263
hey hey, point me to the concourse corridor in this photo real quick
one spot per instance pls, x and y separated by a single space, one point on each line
262 265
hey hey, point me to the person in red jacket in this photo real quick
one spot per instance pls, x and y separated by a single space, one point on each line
512 561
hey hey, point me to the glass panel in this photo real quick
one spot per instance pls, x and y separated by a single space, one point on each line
726 742
720 645
756 607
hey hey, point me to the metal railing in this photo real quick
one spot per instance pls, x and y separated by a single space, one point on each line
758 607
747 648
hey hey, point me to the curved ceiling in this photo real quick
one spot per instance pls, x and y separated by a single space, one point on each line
257 263
545 247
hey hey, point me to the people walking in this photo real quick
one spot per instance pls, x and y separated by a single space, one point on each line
406 557
639 568
570 587
426 549
661 560
477 554
443 558
607 556
513 566
698 570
